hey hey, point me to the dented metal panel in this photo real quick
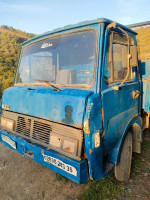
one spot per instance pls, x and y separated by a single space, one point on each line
66 106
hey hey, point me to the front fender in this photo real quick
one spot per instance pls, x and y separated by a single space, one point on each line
94 155
114 156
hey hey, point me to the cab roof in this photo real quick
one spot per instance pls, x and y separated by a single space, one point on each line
78 25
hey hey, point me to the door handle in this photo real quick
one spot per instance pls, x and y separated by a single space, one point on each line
135 94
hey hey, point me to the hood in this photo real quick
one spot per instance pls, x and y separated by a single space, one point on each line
66 106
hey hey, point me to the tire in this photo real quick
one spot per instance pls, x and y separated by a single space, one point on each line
122 170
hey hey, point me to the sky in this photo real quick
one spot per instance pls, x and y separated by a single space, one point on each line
38 16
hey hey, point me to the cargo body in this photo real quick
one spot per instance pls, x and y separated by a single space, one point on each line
78 95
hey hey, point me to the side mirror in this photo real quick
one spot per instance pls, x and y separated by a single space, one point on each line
133 56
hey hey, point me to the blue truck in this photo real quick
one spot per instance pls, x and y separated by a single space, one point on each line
80 101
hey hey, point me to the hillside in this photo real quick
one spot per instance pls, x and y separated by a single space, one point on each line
10 42
16 32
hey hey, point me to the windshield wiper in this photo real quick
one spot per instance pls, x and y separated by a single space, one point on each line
49 83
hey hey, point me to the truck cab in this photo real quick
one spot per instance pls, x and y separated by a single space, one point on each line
75 105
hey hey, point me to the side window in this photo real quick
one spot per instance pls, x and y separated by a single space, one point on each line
115 53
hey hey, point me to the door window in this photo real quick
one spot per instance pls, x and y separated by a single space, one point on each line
115 70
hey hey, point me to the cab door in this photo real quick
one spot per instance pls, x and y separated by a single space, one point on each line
119 104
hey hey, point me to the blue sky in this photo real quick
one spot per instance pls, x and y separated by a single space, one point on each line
38 16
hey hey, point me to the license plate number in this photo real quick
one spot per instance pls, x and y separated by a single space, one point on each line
9 141
58 163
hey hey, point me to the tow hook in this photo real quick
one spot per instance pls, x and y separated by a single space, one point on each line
28 152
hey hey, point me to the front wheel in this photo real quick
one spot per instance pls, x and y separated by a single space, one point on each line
122 170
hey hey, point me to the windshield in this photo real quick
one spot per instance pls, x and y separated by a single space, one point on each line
67 60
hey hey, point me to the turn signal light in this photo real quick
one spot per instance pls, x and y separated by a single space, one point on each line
86 126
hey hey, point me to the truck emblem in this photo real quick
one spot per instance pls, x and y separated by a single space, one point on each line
45 45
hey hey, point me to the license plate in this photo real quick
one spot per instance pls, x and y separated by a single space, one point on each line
58 163
9 141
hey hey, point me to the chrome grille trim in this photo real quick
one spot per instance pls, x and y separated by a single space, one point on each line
39 130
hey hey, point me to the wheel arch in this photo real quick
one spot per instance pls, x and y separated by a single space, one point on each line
134 126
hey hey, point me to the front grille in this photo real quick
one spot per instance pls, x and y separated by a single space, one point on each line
23 126
33 129
41 132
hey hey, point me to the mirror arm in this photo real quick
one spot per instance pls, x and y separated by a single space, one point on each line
129 56
111 49
114 25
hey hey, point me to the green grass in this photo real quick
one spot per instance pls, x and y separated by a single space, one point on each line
104 189
146 146
137 164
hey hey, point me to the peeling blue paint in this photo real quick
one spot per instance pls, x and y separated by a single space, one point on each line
45 103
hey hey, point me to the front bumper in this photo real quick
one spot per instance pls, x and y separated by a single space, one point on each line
49 158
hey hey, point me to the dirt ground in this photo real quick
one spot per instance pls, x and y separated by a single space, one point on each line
23 179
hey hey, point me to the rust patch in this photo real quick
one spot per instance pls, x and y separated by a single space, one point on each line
102 111
90 151
89 172
67 148
102 117
42 152
103 133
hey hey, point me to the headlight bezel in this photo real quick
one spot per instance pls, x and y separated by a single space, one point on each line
64 147
7 123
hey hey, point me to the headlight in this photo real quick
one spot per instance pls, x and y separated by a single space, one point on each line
55 141
7 123
97 139
69 146
63 144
